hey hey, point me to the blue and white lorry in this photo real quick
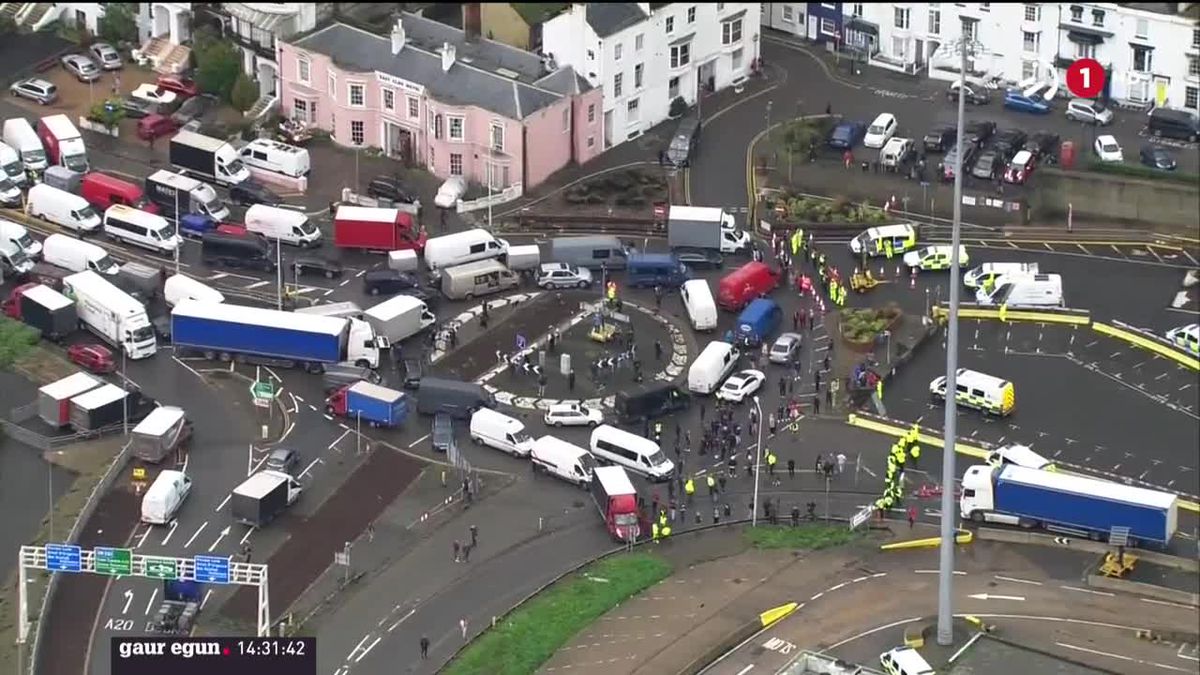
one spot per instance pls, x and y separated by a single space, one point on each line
1068 503
272 338
377 406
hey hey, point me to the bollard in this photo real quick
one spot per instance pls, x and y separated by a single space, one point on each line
266 431
541 522
443 478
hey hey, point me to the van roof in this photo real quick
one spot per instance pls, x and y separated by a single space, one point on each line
376 392
625 438
592 241
555 444
262 211
199 141
1086 485
54 193
509 422
910 661
137 216
978 379
714 349
159 421
276 146
695 212
476 267
106 180
652 259
430 383
757 307
254 316
390 308
466 236
890 230
60 125
175 180
113 298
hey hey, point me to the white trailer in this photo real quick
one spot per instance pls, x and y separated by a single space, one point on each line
112 314
400 317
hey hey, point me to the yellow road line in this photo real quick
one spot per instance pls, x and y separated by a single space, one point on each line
961 537
1146 343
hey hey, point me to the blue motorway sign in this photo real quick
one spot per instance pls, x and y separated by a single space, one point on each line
63 558
211 569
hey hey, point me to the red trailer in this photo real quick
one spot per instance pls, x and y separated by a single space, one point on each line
376 229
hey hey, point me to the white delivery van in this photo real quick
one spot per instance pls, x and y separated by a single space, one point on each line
1021 455
563 460
463 247
699 304
165 496
20 136
77 255
17 234
61 208
482 277
636 453
140 228
285 225
501 432
11 166
905 661
276 157
714 363
179 287
984 276
1024 290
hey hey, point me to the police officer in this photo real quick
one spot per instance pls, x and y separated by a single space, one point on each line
654 531
689 488
771 459
712 486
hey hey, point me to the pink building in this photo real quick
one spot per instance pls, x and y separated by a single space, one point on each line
430 97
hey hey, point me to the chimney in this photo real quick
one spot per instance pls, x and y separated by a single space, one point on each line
472 20
448 52
645 7
398 37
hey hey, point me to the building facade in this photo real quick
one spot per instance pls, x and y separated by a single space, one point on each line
428 96
819 22
644 56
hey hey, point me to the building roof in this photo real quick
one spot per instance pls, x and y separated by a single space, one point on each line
565 81
609 18
1168 8
489 55
538 12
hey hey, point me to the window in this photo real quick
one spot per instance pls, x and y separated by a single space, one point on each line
1077 13
455 126
1142 29
1196 38
637 75
1193 66
672 88
670 25
617 84
455 164
731 32
358 95
304 71
497 137
1098 18
1191 97
691 14
566 119
828 27
900 48
414 107
591 55
356 132
856 9
970 29
639 41
389 99
1031 41
591 113
300 110
632 114
591 142
901 17
788 16
1142 59
1085 51
1028 70
1033 13
333 86
617 48
681 55
736 59
935 22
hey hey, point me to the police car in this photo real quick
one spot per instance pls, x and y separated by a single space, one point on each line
985 275
936 257
874 242
905 661
977 390
1186 337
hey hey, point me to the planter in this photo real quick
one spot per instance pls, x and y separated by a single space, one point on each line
85 123
891 316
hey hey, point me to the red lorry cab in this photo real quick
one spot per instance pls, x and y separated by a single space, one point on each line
376 229
616 499
750 281
102 191
12 305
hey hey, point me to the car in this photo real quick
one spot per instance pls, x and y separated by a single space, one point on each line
106 55
880 131
450 192
975 92
1020 168
194 108
431 300
443 432
1008 142
1044 146
950 160
284 460
136 108
162 326
251 192
413 368
979 131
700 258
156 95
83 68
1186 337
1108 150
35 89
987 164
786 348
345 374
1157 157
10 192
155 125
316 264
847 135
388 282
1014 99
1089 111
235 229
390 188
572 415
740 385
562 275
940 139
184 86
935 257
92 357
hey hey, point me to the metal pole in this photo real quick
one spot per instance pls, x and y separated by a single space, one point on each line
757 456
177 232
489 180
826 499
279 273
125 399
50 495
945 624
358 433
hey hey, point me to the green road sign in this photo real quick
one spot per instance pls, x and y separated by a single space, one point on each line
262 390
114 561
161 568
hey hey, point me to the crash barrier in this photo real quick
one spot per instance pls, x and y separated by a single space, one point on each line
970 310
1140 588
961 537
299 184
1189 565
508 194
1147 340
551 223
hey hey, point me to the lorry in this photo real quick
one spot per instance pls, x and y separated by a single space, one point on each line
272 338
54 399
1068 503
616 500
400 317
99 408
166 430
261 497
43 308
176 194
64 144
112 314
704 227
378 229
208 158
376 405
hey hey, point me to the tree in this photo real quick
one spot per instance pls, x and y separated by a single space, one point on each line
16 340
109 113
217 68
799 136
244 94
119 23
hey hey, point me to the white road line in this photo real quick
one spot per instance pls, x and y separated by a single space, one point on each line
142 539
1168 604
368 649
1018 581
186 459
174 524
247 535
956 572
255 285
418 441
1086 590
197 534
339 440
310 466
1121 657
207 595
745 670
223 502
153 595
402 620
218 275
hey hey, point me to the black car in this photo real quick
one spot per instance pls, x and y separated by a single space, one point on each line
412 369
317 265
940 139
388 187
136 109
1008 142
388 282
700 258
1043 145
988 165
431 300
251 192
1157 157
162 326
950 161
284 460
979 131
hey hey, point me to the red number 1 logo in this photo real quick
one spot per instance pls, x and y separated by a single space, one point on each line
1085 78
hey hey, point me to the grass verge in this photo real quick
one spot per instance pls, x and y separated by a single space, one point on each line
805 537
528 637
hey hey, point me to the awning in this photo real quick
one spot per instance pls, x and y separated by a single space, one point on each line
262 20
682 40
1083 38
858 25
734 17
1148 48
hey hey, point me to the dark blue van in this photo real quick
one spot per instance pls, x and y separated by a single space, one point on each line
656 269
756 323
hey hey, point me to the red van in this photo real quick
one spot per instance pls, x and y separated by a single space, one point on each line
102 191
750 281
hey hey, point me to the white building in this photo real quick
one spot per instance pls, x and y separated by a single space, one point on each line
644 55
163 28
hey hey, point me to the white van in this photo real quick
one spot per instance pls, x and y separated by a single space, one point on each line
179 287
985 275
699 304
19 235
341 310
501 432
1024 290
77 255
895 152
61 208
714 363
636 453
20 136
977 390
463 247
165 496
285 225
269 155
11 166
905 661
563 460
140 228
1021 455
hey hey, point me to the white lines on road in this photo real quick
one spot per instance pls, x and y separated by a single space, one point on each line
339 440
956 572
364 650
223 502
224 533
1018 581
150 604
1168 604
1121 657
171 531
196 534
128 599
1086 590
255 285
218 275
207 595
418 441
249 531
311 465
142 539
745 670
402 620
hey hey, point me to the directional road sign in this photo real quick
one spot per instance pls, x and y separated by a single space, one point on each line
63 558
114 561
160 568
211 569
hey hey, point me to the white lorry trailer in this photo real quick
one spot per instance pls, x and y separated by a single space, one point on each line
112 314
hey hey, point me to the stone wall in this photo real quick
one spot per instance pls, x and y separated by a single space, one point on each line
1099 197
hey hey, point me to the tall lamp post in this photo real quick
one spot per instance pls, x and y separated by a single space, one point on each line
757 463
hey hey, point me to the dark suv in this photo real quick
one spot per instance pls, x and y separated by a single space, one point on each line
940 139
387 187
1008 142
388 282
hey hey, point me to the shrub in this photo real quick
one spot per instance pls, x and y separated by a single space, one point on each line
678 107
109 113
243 94
594 198
119 23
1139 171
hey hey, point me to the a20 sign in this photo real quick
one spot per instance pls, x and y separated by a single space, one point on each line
1085 78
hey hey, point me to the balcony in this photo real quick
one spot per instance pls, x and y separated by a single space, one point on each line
256 26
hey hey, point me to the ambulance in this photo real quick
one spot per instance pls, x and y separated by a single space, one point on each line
873 241
977 390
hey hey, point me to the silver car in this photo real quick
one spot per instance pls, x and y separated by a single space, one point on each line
83 68
35 89
108 57
786 348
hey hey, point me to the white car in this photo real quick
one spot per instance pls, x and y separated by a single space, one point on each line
562 275
1108 150
1186 337
935 257
572 415
450 192
880 131
740 385
786 347
151 93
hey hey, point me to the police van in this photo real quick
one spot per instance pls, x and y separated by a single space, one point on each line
904 661
977 390
1186 337
935 258
985 275
874 241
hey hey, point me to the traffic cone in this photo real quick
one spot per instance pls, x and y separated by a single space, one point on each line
912 278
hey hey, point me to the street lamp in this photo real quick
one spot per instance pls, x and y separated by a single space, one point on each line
279 272
757 463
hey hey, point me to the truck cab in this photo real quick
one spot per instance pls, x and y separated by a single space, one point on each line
364 344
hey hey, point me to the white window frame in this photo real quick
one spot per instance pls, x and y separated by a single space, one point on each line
728 29
362 132
736 59
361 87
935 22
1194 94
414 107
828 26
1025 42
639 76
297 104
639 42
670 25
691 14
333 87
303 70
453 156
856 9
1098 18
1148 62
591 113
591 141
1076 13
496 132
1085 50
462 128
387 99
1196 38
633 112
1033 13
617 49
1193 65
1141 28
788 15
901 18
681 55
672 89
618 84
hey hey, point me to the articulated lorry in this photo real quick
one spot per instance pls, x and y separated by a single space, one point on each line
1068 503
112 314
616 500
263 496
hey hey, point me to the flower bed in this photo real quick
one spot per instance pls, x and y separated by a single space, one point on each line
860 328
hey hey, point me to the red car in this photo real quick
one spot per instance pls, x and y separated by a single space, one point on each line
184 86
93 357
233 228
156 126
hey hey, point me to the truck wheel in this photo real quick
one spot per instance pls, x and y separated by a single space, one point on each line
976 517
315 368
210 355
329 410
329 274
470 295
374 290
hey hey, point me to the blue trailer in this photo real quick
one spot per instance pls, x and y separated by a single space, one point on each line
1069 503
756 323
377 406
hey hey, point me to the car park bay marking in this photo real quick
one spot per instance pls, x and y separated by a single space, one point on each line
311 465
142 539
255 285
418 441
223 502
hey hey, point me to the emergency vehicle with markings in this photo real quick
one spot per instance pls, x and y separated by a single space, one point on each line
876 241
935 258
1186 338
977 390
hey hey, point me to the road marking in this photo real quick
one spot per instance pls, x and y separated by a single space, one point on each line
1168 604
224 533
196 534
246 536
402 619
255 285
1121 657
745 670
218 275
1086 590
142 539
310 466
153 595
1018 581
956 572
368 649
223 502
419 440
174 524
207 595
988 596
339 440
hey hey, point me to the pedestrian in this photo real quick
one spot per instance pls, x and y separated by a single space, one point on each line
829 108
820 461
571 380
721 483
771 423
912 516
841 462
829 398
462 625
424 647
796 321
542 384
371 532
817 381
658 297
658 350
716 515
466 549
817 405
791 468
703 411
782 386
457 551
474 535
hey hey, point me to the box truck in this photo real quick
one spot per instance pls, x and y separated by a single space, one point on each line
208 158
272 338
99 408
175 195
64 144
54 399
376 405
1069 503
400 317
378 229
163 432
47 310
704 227
263 496
616 500
112 314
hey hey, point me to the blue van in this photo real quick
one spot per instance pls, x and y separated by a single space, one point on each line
756 323
656 269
